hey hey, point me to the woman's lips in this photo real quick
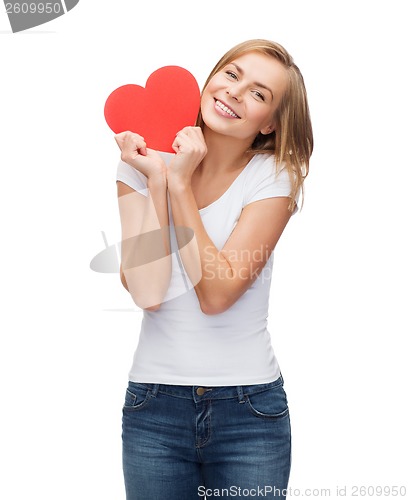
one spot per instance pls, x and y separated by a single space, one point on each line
223 109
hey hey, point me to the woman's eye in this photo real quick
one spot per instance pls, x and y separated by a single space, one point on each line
232 74
259 95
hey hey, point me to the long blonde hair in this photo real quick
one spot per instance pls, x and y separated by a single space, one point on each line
292 140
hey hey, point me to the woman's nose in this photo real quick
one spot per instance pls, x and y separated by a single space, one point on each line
235 92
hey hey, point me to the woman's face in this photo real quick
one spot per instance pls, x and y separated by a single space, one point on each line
240 100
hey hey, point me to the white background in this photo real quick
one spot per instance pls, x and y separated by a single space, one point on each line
338 300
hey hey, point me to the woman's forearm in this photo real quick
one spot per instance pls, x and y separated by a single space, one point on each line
204 263
146 252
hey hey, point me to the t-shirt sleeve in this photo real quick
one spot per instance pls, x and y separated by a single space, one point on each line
132 177
266 181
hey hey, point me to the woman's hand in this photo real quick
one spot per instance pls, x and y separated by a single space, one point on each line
190 149
137 155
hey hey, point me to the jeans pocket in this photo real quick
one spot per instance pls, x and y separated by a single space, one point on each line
271 403
137 396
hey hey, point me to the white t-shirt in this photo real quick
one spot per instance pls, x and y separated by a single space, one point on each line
178 343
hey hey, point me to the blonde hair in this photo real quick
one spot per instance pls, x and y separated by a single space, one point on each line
292 140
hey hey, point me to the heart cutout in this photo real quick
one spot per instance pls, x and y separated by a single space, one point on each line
169 102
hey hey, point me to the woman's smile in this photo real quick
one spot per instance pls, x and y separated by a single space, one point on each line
222 109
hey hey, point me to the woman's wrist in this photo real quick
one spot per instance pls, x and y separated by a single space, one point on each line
157 178
176 182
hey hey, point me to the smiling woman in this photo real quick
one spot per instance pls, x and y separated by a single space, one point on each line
205 391
254 102
292 139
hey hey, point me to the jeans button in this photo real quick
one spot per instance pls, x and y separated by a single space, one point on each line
200 391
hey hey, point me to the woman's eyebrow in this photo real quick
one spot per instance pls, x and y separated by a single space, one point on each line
258 84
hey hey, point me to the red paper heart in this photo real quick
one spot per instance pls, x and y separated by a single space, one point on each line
169 102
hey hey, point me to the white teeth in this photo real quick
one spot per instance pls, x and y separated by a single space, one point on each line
226 109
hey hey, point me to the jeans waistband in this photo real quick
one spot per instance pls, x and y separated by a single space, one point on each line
198 393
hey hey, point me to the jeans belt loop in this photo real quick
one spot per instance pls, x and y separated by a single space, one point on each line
240 394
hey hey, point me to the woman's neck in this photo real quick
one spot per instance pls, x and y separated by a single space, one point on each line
224 154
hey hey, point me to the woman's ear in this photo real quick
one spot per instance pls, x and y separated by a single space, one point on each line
267 130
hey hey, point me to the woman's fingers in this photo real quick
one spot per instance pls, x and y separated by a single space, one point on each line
130 144
135 153
190 148
190 140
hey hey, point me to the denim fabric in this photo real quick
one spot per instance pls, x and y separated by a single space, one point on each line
185 442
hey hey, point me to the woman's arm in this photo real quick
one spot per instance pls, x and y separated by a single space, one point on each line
228 273
145 249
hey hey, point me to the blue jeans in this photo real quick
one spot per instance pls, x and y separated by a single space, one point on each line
192 442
